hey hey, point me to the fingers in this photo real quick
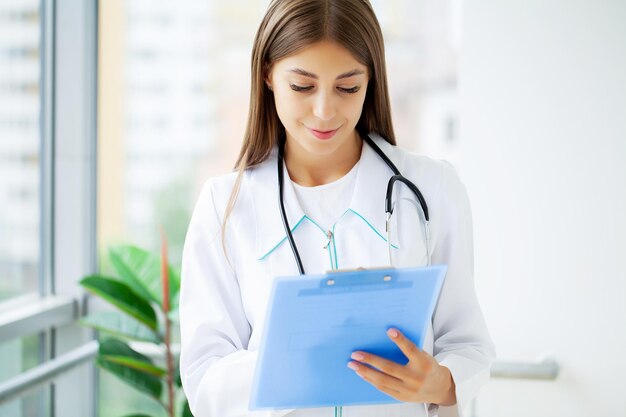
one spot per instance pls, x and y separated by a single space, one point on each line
382 381
382 386
402 382
386 366
410 349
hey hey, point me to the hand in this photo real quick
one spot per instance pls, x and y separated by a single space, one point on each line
422 379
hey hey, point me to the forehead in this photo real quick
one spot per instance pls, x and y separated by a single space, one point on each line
324 59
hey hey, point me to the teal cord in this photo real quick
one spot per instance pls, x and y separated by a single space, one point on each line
335 247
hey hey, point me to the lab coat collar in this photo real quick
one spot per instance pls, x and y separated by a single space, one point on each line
263 181
367 200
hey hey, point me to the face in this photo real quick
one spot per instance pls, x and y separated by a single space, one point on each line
319 93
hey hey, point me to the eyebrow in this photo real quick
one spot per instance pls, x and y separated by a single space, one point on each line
339 77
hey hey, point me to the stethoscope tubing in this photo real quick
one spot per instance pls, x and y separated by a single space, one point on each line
283 214
388 199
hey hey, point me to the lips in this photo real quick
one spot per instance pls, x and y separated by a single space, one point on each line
323 134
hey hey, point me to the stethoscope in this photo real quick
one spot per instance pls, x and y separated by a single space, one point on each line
388 204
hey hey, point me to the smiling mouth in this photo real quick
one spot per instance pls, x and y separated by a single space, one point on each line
323 134
324 131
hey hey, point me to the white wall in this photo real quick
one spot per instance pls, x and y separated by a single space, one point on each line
542 151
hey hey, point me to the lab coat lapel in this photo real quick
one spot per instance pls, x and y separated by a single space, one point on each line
264 185
367 203
368 200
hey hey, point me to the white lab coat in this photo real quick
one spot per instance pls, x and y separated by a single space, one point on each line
223 299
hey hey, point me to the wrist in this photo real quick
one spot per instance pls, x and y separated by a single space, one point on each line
447 392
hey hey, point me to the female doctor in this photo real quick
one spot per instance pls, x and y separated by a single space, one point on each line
319 115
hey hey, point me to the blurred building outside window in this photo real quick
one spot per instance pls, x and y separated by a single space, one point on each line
19 148
19 186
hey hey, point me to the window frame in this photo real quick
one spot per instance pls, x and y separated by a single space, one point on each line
67 173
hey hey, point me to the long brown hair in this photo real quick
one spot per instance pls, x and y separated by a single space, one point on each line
288 27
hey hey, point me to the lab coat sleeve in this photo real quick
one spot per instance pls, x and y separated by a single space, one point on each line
216 367
461 340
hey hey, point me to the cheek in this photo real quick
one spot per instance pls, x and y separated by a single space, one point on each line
287 107
355 107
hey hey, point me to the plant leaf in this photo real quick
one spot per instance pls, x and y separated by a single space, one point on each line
115 323
121 296
116 347
137 415
186 410
174 287
139 365
177 381
140 380
141 271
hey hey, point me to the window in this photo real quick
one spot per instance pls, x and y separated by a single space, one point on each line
20 102
16 356
19 148
47 102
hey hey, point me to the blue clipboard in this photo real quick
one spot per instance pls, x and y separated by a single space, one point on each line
315 322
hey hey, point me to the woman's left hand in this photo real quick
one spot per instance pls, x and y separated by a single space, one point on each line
422 379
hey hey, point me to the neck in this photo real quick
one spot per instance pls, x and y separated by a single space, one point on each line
311 170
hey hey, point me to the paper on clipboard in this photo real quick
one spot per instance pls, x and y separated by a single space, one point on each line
315 322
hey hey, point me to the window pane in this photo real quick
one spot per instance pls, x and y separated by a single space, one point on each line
161 128
17 356
19 147
118 399
35 404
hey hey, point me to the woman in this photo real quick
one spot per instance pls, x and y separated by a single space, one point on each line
318 90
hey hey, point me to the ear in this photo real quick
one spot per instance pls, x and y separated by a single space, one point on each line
268 77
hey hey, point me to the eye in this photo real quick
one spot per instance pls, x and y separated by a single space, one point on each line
349 90
295 87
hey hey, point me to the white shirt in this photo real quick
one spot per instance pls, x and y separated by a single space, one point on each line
325 204
224 296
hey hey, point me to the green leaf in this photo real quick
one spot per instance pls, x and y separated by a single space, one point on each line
174 299
139 365
140 380
121 296
138 415
186 411
141 271
177 381
116 347
118 324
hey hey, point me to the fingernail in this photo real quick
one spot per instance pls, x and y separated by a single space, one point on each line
357 356
353 366
393 333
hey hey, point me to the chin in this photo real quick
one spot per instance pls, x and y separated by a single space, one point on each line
323 147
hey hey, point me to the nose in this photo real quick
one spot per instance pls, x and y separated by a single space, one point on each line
324 106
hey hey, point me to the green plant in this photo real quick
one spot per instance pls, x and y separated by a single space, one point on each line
145 297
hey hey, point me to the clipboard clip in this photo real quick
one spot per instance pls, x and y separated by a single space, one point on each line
359 269
357 277
330 282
